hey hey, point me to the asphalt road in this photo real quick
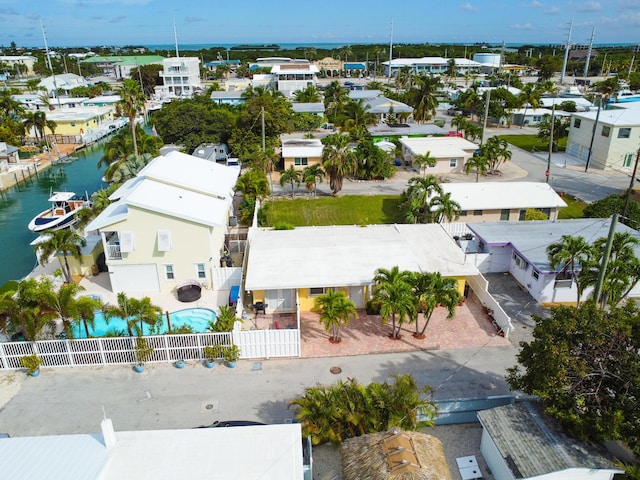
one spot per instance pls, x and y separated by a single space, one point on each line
71 400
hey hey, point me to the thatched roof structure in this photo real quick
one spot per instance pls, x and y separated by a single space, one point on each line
394 455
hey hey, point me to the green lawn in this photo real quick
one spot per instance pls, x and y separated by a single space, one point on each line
573 209
345 210
532 143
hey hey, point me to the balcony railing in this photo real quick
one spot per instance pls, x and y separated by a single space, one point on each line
114 252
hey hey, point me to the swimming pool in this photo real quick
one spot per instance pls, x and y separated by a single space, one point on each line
197 318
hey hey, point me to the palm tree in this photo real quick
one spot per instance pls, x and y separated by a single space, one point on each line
311 175
529 96
85 312
338 160
61 242
479 163
124 310
460 122
335 310
144 312
432 289
38 122
131 102
496 149
418 197
443 207
308 95
345 51
404 79
335 96
253 184
291 176
354 115
61 301
423 97
9 106
393 291
424 161
570 254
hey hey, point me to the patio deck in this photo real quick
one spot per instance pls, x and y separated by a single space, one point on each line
469 328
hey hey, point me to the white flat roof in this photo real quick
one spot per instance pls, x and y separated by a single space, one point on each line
301 148
499 195
193 173
618 117
348 255
438 146
263 452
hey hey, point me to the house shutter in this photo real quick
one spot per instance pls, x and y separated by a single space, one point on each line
164 240
126 241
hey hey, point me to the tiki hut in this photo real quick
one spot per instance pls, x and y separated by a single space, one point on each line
394 455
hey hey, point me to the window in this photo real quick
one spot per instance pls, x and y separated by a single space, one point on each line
200 271
315 291
520 262
169 273
537 118
522 216
504 214
628 158
477 213
453 162
535 274
606 131
624 133
464 213
301 162
577 122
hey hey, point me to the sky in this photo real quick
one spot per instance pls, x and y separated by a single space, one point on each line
69 23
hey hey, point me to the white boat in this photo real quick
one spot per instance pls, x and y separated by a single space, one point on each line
625 95
61 214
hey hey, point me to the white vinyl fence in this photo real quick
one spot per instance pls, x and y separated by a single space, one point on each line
166 348
480 287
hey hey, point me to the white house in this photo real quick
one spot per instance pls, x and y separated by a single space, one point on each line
432 65
520 248
615 141
290 78
62 84
451 153
180 77
503 201
266 452
520 441
533 116
23 61
168 225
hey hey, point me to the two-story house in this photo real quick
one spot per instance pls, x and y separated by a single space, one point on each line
168 225
615 141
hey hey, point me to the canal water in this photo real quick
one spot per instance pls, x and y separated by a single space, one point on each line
19 204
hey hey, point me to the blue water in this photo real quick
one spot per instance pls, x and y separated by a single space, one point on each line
18 205
197 318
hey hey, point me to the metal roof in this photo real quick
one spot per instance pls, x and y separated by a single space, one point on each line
301 148
406 129
315 107
422 145
532 444
530 239
619 117
348 255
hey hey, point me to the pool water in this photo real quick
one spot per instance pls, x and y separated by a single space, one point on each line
197 318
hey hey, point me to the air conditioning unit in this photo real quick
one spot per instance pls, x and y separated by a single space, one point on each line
233 221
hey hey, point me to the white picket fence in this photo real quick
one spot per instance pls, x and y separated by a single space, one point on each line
166 348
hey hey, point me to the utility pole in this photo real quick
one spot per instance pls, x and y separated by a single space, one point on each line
264 147
553 121
628 195
588 59
566 54
597 293
486 115
593 134
390 51
46 48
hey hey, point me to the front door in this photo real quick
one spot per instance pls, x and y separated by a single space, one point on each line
280 300
356 295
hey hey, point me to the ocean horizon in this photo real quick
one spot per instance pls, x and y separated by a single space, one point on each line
336 45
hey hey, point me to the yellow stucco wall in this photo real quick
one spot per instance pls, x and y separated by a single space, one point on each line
204 245
258 296
83 123
288 161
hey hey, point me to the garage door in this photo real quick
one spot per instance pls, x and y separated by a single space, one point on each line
134 278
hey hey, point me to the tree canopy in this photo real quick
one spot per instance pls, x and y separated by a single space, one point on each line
583 365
